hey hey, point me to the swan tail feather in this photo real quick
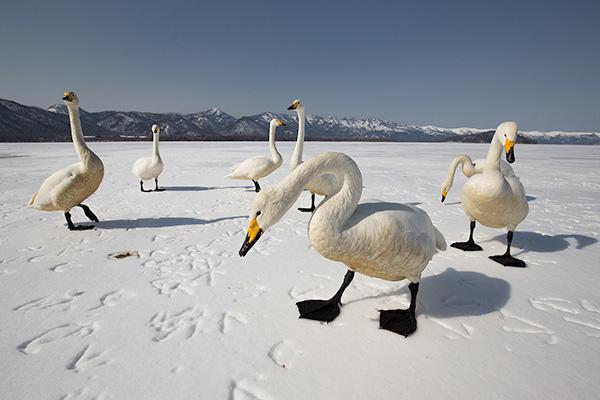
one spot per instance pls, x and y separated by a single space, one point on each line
440 241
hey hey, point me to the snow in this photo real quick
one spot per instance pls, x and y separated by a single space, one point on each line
186 318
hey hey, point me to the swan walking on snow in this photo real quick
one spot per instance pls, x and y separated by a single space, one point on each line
389 241
321 185
147 168
68 187
258 167
469 168
493 199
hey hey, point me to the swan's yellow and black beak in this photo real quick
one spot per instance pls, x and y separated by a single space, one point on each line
68 96
254 233
280 123
294 105
444 194
509 147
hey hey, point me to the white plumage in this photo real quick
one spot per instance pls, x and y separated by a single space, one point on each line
258 167
70 186
147 168
389 241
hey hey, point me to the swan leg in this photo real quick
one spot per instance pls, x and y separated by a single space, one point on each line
403 322
73 227
142 187
88 213
256 186
470 244
156 188
506 259
325 310
312 204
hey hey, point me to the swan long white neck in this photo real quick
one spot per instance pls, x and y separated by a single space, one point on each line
85 154
467 168
275 156
155 153
330 216
299 149
492 161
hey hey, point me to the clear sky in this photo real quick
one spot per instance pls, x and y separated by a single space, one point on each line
446 63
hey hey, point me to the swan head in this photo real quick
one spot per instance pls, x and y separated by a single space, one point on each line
296 105
268 207
506 133
445 189
276 122
155 128
71 99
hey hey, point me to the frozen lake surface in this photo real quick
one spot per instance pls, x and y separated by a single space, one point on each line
190 319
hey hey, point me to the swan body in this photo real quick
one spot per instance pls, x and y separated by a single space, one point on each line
70 186
469 168
494 199
147 168
258 167
389 241
322 184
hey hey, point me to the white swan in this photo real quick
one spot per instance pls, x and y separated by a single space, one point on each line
321 185
469 168
258 167
389 241
493 199
147 168
68 187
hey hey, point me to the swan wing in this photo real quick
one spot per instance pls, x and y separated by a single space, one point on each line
252 168
45 197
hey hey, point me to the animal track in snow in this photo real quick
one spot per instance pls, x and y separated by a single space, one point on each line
87 359
589 306
297 294
528 327
111 299
47 302
284 353
557 304
85 394
228 318
465 331
74 329
185 322
244 390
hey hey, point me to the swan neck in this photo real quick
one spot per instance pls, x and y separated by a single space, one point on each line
492 160
274 153
77 135
299 148
155 152
467 169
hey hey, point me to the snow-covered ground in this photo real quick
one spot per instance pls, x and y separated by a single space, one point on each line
189 319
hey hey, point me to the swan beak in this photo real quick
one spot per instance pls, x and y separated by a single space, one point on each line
292 107
444 193
254 233
280 123
509 146
67 96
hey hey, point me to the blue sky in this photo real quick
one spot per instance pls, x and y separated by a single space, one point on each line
446 63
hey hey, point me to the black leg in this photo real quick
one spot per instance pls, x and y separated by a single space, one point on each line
156 188
403 322
88 213
312 204
325 310
74 227
506 259
470 244
142 187
256 186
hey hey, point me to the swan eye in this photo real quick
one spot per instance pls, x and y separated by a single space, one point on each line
258 213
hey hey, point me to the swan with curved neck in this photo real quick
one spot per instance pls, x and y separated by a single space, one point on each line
70 186
321 185
147 168
493 199
469 168
258 167
389 241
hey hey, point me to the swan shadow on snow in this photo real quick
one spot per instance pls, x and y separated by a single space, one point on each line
541 243
198 188
529 199
159 222
455 294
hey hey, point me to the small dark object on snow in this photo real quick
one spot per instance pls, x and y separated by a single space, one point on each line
124 254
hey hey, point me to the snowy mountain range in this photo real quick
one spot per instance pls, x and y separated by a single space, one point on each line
27 123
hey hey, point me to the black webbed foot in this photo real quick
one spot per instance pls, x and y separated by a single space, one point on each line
319 310
508 261
467 246
402 322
